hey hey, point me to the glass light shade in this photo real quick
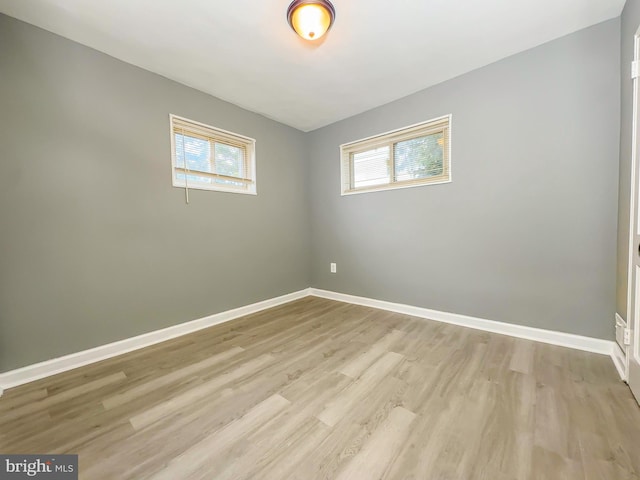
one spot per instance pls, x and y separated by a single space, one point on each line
311 20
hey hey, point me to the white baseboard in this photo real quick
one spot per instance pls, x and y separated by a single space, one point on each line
47 368
569 340
27 374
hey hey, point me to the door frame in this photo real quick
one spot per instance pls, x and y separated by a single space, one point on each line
633 309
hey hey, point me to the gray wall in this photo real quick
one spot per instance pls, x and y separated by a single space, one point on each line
630 21
526 232
96 244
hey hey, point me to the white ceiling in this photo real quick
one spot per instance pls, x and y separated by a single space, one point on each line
243 51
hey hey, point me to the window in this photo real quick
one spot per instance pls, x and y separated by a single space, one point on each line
409 157
207 158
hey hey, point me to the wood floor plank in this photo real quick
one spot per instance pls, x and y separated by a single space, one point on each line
522 356
210 388
358 390
202 459
60 397
379 452
149 386
355 368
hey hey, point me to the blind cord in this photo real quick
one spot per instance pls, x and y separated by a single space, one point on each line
186 167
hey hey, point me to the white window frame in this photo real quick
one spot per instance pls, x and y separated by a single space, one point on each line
250 149
388 139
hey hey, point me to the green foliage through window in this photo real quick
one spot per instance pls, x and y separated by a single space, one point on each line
419 157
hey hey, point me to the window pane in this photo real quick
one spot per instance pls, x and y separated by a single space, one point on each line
371 167
198 156
421 157
229 160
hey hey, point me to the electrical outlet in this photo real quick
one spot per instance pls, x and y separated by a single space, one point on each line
627 336
334 268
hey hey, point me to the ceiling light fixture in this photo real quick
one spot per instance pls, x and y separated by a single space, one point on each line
311 19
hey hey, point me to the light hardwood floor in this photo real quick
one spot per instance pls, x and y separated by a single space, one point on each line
319 389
